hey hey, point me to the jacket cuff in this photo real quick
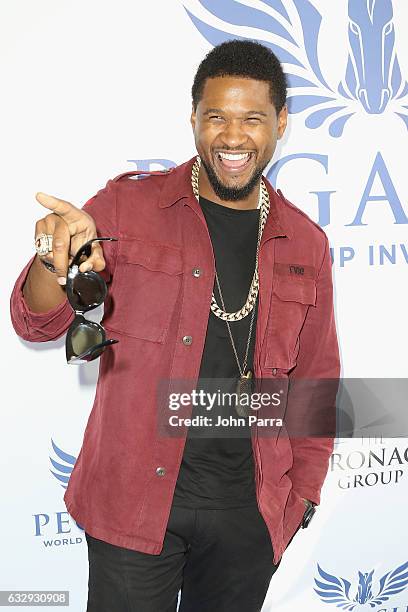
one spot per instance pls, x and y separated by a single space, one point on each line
37 326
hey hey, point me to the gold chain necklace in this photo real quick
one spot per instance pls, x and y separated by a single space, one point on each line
245 381
254 288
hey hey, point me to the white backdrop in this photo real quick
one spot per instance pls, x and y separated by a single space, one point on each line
90 87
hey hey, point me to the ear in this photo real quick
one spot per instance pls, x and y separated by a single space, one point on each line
282 121
193 117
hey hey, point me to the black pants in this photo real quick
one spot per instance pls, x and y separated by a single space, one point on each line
222 560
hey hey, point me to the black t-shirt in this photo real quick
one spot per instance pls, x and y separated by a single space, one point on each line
216 471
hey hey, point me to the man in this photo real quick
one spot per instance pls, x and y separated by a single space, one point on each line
214 276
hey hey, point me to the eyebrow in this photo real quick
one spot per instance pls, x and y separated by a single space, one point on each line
213 110
209 111
257 112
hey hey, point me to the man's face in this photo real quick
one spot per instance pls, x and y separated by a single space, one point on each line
236 128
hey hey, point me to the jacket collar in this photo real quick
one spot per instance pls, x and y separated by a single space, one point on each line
177 186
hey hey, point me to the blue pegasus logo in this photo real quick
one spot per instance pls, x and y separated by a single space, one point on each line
337 590
372 80
63 469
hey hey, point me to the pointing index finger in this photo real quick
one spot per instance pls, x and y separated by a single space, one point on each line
59 207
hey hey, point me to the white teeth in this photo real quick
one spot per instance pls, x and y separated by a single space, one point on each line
234 156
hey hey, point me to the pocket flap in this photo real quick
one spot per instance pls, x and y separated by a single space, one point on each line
290 289
157 257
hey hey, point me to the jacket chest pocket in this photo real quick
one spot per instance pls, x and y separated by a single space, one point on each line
291 299
145 288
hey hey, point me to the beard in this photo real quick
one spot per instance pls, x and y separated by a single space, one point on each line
224 192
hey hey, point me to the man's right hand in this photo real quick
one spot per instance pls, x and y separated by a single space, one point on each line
70 228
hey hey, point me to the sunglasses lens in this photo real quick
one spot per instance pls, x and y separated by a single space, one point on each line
84 336
85 341
88 290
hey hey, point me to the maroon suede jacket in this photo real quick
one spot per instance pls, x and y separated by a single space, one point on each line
122 484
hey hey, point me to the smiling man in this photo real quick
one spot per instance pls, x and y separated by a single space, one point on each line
216 280
236 122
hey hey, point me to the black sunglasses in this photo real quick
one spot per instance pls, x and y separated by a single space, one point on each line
85 339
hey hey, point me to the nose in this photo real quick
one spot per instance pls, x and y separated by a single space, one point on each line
233 135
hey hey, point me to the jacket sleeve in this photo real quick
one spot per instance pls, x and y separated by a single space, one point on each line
45 326
313 386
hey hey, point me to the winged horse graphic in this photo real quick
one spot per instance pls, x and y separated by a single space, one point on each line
372 81
337 590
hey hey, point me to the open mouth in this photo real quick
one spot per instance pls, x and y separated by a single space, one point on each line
233 162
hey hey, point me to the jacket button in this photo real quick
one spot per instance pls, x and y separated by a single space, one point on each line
196 272
160 471
187 340
274 371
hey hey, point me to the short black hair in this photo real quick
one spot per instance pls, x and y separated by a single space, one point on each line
243 58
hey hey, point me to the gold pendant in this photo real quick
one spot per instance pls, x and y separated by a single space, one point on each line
244 391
